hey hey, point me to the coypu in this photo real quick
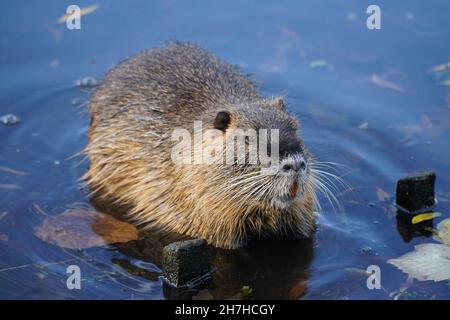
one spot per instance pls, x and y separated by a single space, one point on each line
133 115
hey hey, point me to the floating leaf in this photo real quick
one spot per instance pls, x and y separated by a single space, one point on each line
443 232
428 261
13 171
424 217
75 229
384 83
54 63
440 67
83 12
246 291
318 63
426 121
382 195
445 82
364 125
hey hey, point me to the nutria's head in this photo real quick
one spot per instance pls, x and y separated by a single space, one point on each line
270 168
286 175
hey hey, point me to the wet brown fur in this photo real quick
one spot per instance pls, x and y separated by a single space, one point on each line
133 114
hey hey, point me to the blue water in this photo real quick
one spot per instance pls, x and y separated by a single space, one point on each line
371 105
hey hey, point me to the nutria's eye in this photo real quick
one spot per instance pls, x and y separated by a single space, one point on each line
222 120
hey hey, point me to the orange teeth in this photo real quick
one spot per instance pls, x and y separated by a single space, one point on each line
293 190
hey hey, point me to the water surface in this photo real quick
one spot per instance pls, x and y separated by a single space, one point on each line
366 100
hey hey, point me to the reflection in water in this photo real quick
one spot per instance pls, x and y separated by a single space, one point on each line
273 269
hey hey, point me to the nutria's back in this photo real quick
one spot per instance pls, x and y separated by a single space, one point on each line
180 78
137 115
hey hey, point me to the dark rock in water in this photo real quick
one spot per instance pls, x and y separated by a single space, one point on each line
409 231
185 262
416 192
9 119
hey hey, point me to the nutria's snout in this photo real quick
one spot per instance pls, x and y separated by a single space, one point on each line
291 180
293 165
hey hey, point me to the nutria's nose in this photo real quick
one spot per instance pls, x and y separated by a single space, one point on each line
297 164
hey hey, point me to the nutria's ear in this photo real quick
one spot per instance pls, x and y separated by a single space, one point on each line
222 120
278 103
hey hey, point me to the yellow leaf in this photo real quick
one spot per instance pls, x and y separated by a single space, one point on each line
83 12
424 217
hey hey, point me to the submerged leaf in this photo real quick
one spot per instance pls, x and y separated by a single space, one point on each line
246 291
382 195
363 125
428 261
9 186
424 217
75 229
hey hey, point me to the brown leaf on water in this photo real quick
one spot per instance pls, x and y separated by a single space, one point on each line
382 195
75 229
12 171
3 237
384 83
83 11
